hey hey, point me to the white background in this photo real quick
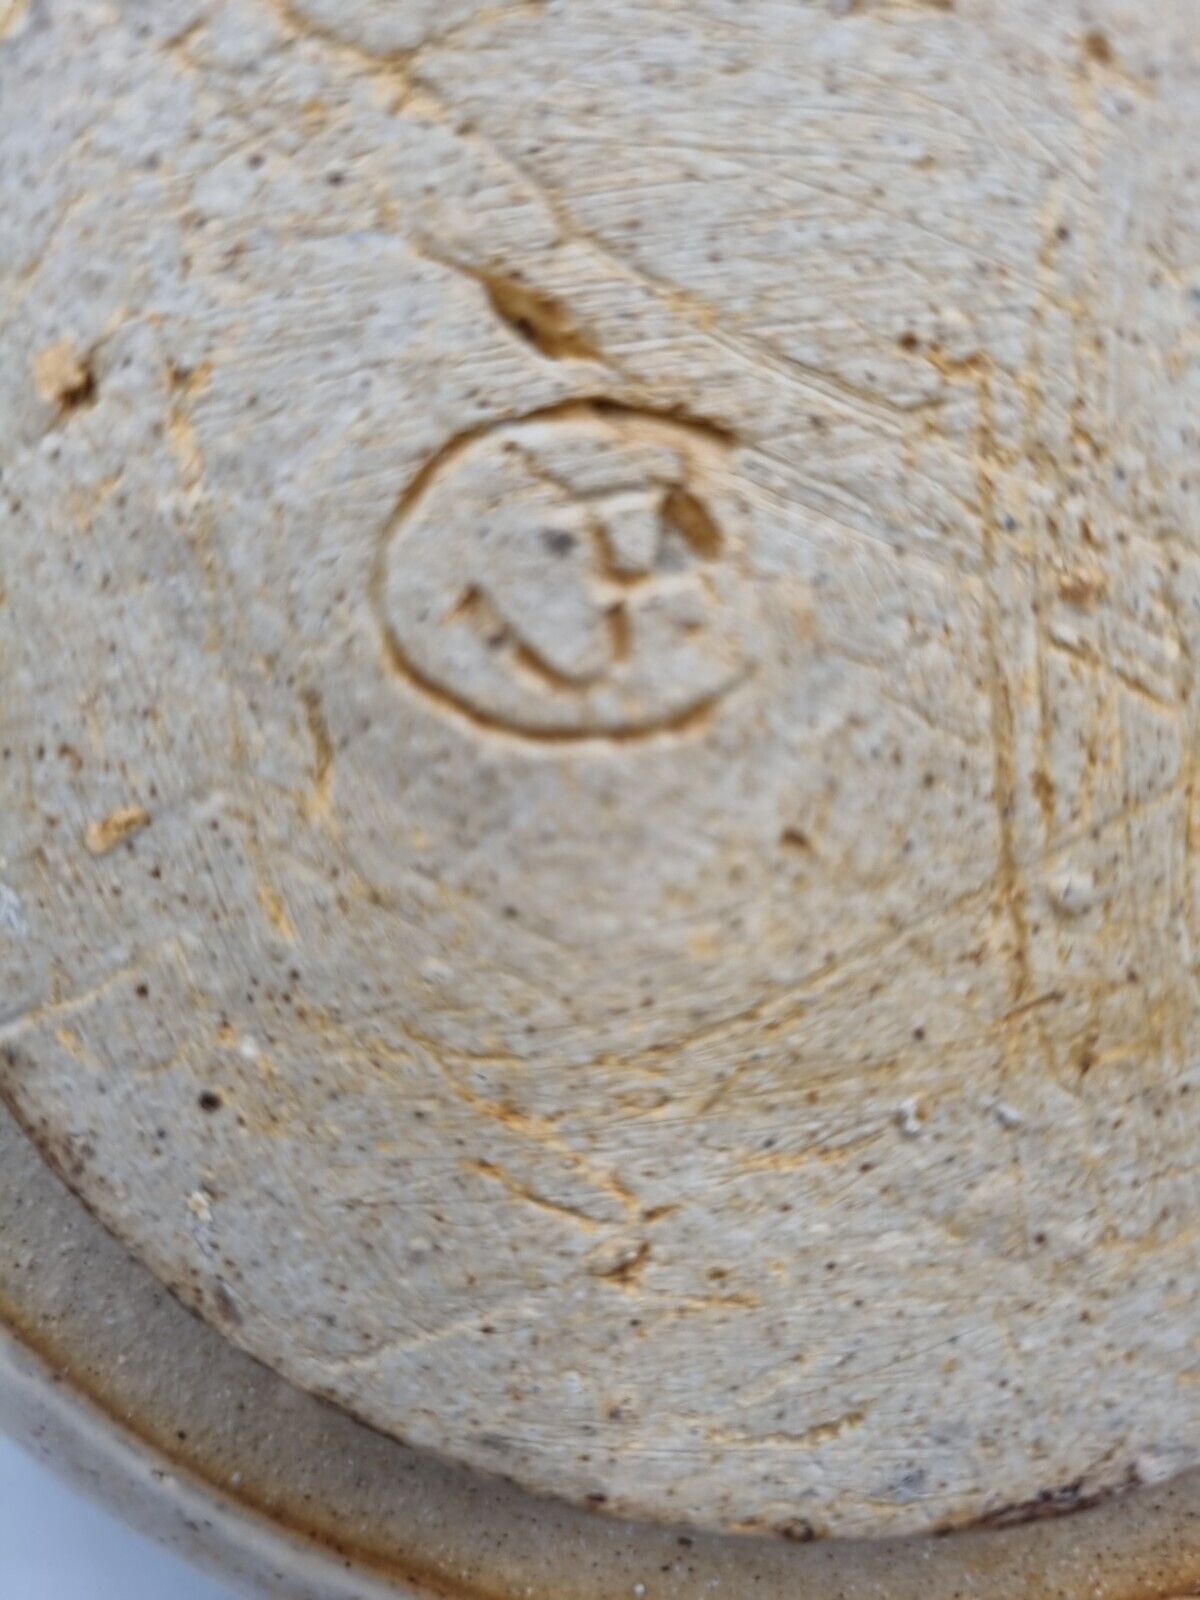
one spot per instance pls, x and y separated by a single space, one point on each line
55 1546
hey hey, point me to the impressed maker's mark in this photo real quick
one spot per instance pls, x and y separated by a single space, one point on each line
573 575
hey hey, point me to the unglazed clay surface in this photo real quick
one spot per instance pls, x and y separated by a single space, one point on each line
599 618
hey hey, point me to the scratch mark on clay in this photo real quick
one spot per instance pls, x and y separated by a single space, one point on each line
1083 653
398 61
540 319
812 1438
474 1322
320 803
529 1127
816 382
15 1024
522 1191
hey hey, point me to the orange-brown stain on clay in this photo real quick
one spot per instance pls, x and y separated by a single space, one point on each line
1082 589
619 1261
62 377
693 521
186 387
71 1042
276 912
108 832
12 14
1097 46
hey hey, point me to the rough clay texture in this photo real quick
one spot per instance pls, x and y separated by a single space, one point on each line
599 615
199 1443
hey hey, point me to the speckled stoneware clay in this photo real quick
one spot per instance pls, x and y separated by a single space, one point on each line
599 622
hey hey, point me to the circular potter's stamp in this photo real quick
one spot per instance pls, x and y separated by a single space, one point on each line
577 574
